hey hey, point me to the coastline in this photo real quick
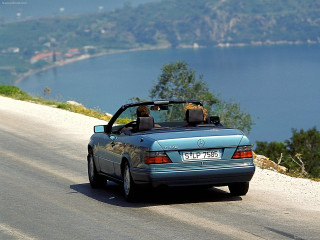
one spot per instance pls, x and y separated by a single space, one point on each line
83 57
194 46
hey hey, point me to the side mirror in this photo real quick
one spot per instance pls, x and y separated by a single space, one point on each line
99 129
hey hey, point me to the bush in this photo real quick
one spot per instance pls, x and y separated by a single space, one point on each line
272 150
300 154
307 144
12 91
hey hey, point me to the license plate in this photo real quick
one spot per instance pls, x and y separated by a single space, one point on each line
201 155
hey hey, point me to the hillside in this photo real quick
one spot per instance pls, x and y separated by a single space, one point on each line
170 23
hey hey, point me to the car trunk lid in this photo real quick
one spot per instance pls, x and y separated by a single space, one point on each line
198 138
221 141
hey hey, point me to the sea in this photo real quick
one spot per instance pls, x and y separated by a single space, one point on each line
277 84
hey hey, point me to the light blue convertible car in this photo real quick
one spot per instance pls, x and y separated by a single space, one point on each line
169 143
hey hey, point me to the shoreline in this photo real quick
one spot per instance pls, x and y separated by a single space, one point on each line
80 58
103 53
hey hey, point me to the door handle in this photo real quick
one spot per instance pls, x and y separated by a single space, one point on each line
112 137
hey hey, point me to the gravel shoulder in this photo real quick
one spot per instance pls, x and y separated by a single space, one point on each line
298 193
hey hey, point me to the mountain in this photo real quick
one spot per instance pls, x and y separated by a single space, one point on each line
212 22
169 23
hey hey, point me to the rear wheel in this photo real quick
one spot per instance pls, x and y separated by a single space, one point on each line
129 187
94 178
239 189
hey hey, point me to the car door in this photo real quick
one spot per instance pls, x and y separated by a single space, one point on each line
116 153
106 154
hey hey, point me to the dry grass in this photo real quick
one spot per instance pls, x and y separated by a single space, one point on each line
265 163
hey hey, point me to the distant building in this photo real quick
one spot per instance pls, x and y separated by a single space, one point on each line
13 50
72 52
48 57
89 49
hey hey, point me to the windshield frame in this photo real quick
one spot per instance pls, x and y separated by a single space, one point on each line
155 103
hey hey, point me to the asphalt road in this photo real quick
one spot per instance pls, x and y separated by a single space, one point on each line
45 194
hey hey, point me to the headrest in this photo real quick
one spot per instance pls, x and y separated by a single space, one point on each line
194 115
145 123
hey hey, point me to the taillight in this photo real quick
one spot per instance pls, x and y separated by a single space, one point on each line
243 152
156 158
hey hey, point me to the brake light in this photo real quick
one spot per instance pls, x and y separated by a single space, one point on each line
243 152
156 158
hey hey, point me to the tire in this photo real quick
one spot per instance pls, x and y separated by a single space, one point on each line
129 187
239 189
96 181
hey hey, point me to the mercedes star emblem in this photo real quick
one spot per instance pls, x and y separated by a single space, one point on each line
201 143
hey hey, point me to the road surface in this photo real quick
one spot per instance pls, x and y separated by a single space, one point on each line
45 192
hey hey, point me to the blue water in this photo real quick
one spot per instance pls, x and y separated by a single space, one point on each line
279 85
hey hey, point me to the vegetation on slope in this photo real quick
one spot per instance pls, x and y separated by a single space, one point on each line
16 93
169 23
300 154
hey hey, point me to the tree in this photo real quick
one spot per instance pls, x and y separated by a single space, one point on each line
231 115
300 153
307 145
178 81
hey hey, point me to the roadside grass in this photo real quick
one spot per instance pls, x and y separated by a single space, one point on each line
16 93
82 110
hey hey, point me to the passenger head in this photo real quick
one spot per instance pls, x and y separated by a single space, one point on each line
143 111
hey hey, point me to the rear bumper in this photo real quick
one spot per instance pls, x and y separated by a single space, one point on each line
192 177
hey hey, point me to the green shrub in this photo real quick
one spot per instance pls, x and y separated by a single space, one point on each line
12 91
272 150
307 144
300 155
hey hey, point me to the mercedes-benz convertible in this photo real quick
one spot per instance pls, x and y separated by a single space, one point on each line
169 143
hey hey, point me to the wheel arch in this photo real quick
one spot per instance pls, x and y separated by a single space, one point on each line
125 158
90 151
